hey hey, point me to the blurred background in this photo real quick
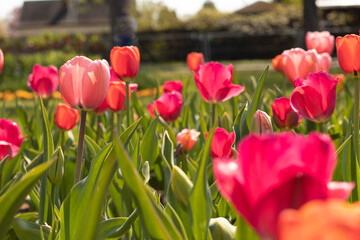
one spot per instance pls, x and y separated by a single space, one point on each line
246 32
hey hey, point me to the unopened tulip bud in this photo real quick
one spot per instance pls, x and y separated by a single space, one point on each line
225 121
181 185
56 172
261 123
220 228
187 138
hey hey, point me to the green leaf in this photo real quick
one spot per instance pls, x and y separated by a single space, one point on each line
347 140
200 197
76 221
236 125
249 113
149 147
11 201
26 230
116 227
21 115
129 132
157 223
167 154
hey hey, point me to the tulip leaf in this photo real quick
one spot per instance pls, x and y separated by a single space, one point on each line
116 227
169 130
129 132
167 154
76 221
236 125
200 197
26 230
149 147
21 115
253 106
157 223
346 141
14 197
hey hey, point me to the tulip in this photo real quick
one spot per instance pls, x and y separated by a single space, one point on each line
314 98
348 53
261 123
214 82
43 80
187 138
65 117
321 220
115 96
340 81
125 62
84 83
1 60
194 59
10 139
324 61
168 106
221 143
277 63
283 115
170 86
273 172
322 42
299 63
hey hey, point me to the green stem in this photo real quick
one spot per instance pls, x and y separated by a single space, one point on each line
356 115
80 147
112 125
213 115
128 103
321 127
53 187
98 130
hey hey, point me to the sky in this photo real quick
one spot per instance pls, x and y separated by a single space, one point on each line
182 7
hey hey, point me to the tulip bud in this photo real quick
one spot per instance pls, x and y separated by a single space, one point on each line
220 228
181 185
187 138
261 123
225 121
56 172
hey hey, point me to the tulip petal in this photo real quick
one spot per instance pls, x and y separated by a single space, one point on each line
340 190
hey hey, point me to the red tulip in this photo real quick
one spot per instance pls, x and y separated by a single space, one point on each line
283 115
348 53
10 139
314 98
187 138
125 62
299 63
261 123
277 63
194 59
1 60
170 86
66 117
221 143
168 106
214 82
115 96
43 80
321 220
322 42
84 83
275 172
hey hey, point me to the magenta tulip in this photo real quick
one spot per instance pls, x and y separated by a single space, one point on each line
168 106
314 98
1 60
84 83
299 63
221 143
284 116
214 82
275 172
322 42
174 85
10 139
43 80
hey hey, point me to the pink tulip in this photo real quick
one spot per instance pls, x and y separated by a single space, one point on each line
283 115
348 52
314 98
168 106
214 82
261 123
322 42
187 138
221 143
10 139
43 80
1 60
275 172
324 61
299 63
174 85
83 82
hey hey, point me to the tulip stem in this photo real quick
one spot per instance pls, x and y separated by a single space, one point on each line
213 115
321 126
356 115
98 127
128 103
80 149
